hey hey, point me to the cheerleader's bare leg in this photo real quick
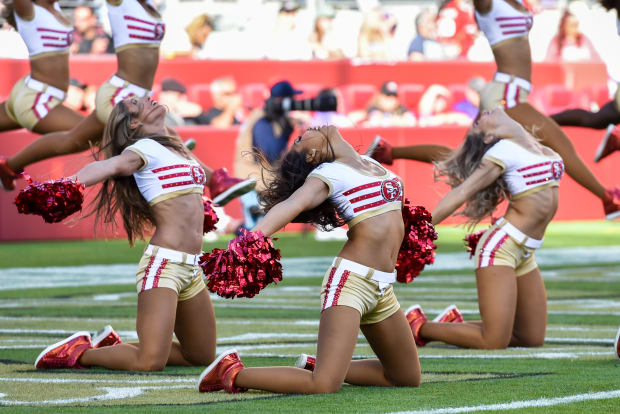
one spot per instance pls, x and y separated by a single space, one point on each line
6 122
607 115
423 153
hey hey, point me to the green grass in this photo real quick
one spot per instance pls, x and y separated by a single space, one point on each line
577 358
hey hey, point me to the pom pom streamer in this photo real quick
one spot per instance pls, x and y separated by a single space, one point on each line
211 217
248 265
418 247
53 200
471 242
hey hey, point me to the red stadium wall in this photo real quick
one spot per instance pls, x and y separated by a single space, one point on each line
216 148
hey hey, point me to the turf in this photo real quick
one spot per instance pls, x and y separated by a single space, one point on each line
275 326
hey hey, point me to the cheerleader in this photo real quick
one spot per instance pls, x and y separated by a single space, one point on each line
323 180
506 24
499 159
36 100
151 180
137 31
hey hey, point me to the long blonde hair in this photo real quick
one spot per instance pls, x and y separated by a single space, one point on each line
461 163
122 193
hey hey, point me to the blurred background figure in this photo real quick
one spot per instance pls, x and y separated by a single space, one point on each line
456 27
323 41
376 35
227 106
288 42
425 45
570 45
386 109
435 108
469 103
89 36
336 118
198 30
181 111
80 97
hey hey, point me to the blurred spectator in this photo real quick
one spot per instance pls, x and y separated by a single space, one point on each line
336 118
425 45
570 45
470 103
323 41
386 110
89 37
198 30
434 108
80 97
181 111
267 130
287 40
226 110
456 27
376 35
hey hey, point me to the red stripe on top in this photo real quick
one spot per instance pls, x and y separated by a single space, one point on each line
330 279
536 173
361 187
177 184
144 29
170 167
343 280
135 36
365 197
371 205
158 273
529 167
496 248
135 19
50 37
542 180
501 19
43 29
167 176
55 44
514 32
146 272
513 25
484 246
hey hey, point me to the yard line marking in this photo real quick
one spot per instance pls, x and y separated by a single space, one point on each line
517 405
47 380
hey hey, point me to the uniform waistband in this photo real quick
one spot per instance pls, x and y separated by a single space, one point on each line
506 78
122 83
172 255
518 235
44 87
365 271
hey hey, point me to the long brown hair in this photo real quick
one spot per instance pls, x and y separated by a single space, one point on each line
610 4
561 38
7 13
460 165
121 194
286 176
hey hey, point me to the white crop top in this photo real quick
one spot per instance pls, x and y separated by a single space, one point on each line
133 26
358 196
524 171
44 33
504 22
165 174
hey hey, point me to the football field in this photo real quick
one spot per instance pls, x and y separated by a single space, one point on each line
50 290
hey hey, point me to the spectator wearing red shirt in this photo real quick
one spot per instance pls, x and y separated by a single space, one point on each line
456 27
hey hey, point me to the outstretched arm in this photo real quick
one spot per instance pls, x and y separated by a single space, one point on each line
124 164
484 175
308 196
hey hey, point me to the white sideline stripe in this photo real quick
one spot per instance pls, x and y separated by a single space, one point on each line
99 381
91 275
516 405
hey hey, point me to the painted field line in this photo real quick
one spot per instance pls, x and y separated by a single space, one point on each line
517 405
132 380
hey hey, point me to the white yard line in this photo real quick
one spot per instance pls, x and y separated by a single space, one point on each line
517 405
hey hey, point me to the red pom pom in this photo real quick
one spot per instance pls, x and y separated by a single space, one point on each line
211 217
248 265
53 200
471 241
417 249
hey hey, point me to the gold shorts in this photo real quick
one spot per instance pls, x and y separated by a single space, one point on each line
505 95
112 92
498 248
155 271
31 100
617 97
375 301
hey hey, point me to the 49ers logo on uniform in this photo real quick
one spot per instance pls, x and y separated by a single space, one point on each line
159 30
557 169
391 190
198 175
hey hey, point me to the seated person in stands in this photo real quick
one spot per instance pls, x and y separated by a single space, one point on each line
386 109
227 109
435 108
570 45
425 45
181 111
80 97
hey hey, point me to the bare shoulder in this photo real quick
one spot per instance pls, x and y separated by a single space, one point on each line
483 6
